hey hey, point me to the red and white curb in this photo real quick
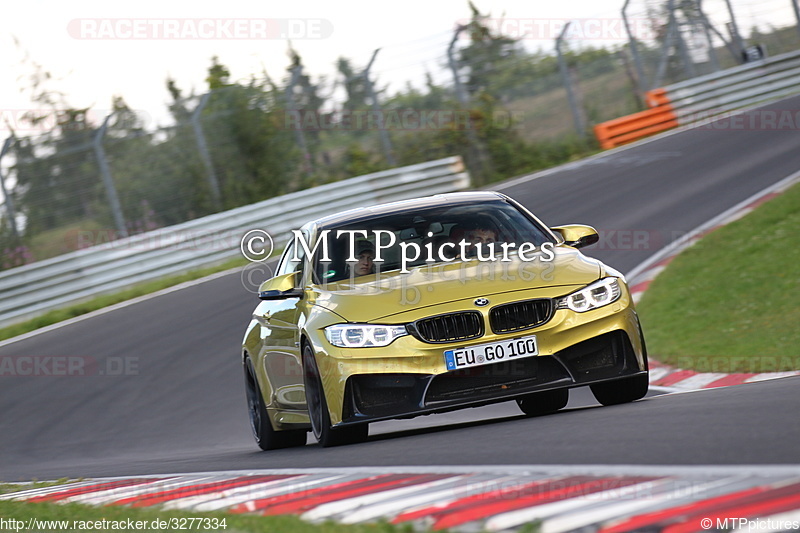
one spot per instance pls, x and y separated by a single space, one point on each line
676 378
560 498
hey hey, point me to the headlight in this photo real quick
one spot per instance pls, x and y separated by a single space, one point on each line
363 335
596 295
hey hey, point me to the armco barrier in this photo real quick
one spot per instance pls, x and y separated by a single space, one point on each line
704 97
29 290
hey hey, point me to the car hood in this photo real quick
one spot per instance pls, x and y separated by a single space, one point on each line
379 297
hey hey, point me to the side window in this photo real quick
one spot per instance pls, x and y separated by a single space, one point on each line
288 265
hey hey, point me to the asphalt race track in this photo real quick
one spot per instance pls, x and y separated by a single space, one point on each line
163 392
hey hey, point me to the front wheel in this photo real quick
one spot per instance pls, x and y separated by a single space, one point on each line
621 390
326 434
266 437
544 403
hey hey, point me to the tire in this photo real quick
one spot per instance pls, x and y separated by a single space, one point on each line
621 390
321 427
544 403
266 437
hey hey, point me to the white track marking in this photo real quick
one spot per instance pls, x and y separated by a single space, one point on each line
772 375
106 497
698 381
279 488
421 499
604 513
328 510
517 518
43 491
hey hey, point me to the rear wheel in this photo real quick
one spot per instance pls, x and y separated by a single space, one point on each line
318 409
266 437
621 390
543 403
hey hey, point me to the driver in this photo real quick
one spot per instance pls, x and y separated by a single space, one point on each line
365 257
481 234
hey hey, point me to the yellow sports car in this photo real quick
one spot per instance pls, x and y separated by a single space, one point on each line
431 305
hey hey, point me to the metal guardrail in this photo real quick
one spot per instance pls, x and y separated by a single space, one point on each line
742 86
704 97
32 289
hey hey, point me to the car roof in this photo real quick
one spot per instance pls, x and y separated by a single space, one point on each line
405 206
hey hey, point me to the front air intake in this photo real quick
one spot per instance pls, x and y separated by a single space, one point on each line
449 328
518 316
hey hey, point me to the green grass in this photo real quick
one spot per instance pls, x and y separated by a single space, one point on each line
730 302
62 240
233 523
99 302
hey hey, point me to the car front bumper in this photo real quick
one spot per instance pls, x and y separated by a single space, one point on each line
410 377
373 397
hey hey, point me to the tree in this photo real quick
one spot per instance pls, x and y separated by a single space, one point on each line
57 178
251 146
488 57
354 84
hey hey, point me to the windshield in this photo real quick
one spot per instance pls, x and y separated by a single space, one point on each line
400 241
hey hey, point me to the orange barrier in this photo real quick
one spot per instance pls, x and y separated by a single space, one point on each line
660 117
656 97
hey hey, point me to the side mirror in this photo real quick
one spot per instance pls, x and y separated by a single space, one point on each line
280 288
577 235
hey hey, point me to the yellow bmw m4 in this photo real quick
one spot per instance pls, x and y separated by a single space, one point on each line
430 305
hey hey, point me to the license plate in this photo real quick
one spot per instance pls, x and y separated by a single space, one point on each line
495 352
